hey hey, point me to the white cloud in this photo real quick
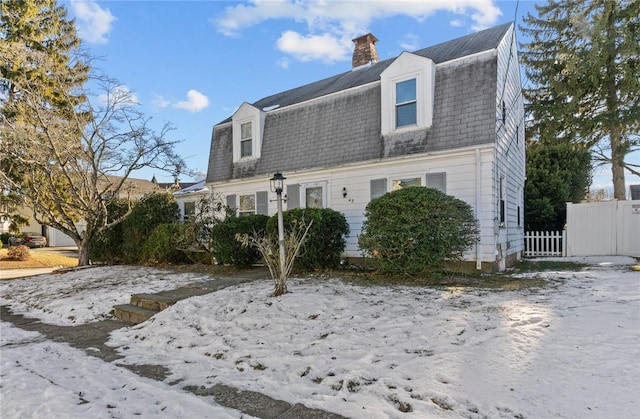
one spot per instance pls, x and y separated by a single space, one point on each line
161 102
314 47
332 24
243 16
457 23
195 102
93 22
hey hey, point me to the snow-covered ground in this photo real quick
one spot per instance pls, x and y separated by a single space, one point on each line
570 349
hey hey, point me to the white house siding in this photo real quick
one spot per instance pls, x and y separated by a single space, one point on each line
510 148
459 166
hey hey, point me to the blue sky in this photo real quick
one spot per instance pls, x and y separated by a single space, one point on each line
193 63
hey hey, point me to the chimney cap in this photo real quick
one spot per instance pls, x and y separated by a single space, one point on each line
366 37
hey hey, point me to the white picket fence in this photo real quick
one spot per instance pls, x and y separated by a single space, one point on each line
545 243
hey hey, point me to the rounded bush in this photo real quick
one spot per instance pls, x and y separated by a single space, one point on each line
227 249
325 241
19 252
416 229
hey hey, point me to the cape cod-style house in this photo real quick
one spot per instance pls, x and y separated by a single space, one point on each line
449 116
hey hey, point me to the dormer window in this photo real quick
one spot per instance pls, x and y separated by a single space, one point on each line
407 93
248 126
246 143
406 106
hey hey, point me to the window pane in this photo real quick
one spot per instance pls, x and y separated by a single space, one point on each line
245 130
247 203
405 183
406 91
189 209
314 197
406 114
245 148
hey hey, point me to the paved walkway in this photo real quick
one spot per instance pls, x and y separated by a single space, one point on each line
92 337
19 273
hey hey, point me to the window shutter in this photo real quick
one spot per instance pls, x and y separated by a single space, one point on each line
293 196
437 181
262 203
231 201
378 187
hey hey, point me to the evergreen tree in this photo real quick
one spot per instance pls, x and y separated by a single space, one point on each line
556 174
38 68
584 64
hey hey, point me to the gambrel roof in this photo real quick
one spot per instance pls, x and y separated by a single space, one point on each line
337 121
446 51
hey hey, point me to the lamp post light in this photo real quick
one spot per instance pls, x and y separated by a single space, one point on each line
277 186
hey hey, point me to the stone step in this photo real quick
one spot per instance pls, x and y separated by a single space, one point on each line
133 314
152 301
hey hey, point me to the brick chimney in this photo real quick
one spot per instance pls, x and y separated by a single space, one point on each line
365 51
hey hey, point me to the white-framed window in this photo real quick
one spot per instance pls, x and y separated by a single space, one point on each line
247 129
401 183
247 205
189 210
406 103
378 187
246 140
313 195
407 93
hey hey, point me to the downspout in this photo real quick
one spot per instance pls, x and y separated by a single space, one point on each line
478 186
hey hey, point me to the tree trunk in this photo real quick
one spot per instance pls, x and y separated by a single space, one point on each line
616 138
83 253
281 286
617 169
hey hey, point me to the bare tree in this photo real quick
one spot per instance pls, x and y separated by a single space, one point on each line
72 168
268 247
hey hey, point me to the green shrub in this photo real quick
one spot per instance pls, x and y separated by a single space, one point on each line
227 249
4 238
124 242
326 239
107 246
19 252
161 245
415 230
148 213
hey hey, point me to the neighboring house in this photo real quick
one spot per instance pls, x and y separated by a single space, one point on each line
188 198
133 189
450 117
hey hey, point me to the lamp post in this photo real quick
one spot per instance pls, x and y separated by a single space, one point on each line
277 186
